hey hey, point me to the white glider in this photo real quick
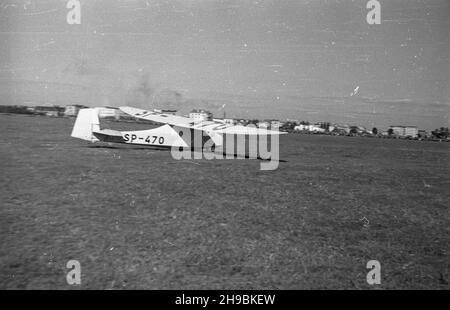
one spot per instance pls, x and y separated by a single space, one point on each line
176 131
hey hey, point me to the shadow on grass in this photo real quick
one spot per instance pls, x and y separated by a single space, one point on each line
258 158
168 149
125 148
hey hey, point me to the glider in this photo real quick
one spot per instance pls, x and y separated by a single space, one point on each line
175 131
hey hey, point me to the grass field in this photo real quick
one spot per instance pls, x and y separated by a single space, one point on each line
136 218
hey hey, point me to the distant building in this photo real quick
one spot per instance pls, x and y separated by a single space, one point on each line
72 110
359 130
243 122
263 124
48 110
341 128
310 128
405 131
200 115
316 128
269 123
411 131
363 130
108 112
171 112
301 127
275 124
226 120
229 121
422 134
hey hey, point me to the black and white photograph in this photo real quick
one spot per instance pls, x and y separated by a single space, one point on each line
252 146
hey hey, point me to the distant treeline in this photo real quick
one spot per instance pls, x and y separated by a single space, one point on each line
442 133
16 109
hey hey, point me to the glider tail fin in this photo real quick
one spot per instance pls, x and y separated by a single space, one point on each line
87 121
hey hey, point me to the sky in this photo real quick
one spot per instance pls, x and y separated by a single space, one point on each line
315 60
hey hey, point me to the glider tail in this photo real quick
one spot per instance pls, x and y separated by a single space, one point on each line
86 122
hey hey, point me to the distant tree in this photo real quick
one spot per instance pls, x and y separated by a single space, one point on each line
14 109
288 126
353 130
390 131
292 125
325 125
441 133
374 130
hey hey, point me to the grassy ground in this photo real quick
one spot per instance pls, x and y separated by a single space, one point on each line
136 218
